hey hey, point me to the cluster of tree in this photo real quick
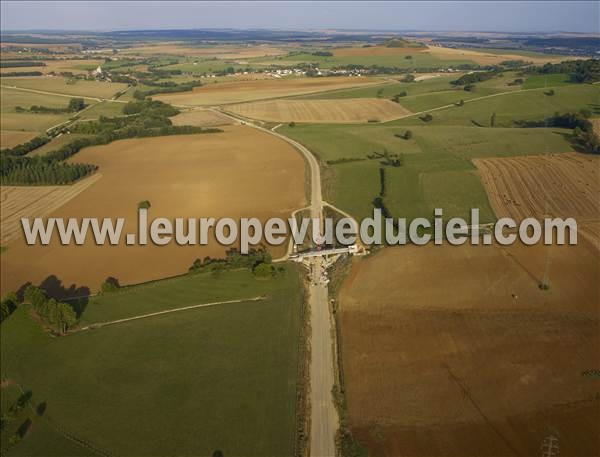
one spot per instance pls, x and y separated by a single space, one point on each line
396 98
147 118
474 77
12 74
7 305
583 135
27 171
406 135
387 159
166 88
581 71
58 315
11 414
382 182
516 82
75 105
25 148
514 64
21 63
426 118
344 160
233 260
409 78
110 284
322 54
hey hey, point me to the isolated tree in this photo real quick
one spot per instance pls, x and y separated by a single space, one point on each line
493 120
408 135
76 104
110 284
263 270
408 78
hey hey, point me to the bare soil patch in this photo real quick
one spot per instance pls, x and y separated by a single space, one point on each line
344 110
454 350
241 172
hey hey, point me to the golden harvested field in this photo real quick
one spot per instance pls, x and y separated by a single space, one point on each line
220 52
200 117
376 51
455 351
486 58
58 66
344 110
240 172
242 91
34 201
59 85
563 185
12 138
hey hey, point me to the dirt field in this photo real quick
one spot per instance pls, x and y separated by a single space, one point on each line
220 52
455 351
379 51
12 138
57 66
241 172
235 92
34 201
201 117
484 58
344 110
563 185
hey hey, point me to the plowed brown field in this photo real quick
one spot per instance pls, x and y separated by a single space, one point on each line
345 110
455 351
241 172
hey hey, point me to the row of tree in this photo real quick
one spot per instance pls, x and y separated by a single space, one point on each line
58 315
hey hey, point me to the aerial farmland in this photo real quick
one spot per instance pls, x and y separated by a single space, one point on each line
159 338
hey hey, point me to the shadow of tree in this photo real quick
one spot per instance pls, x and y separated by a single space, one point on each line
78 297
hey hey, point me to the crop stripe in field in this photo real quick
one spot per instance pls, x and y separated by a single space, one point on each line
167 311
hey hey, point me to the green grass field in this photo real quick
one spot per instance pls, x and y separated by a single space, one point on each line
542 81
185 383
419 60
528 105
11 120
437 170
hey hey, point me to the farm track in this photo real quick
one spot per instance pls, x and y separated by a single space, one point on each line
167 311
58 94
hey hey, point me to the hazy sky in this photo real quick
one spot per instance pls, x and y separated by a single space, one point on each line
573 16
